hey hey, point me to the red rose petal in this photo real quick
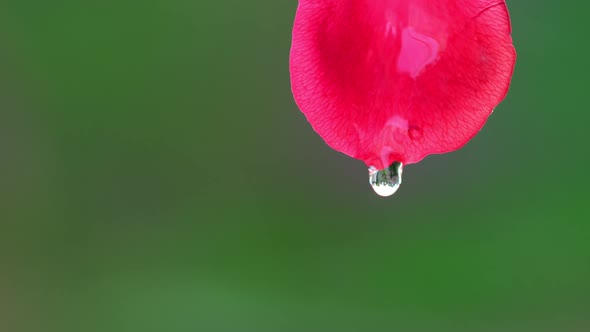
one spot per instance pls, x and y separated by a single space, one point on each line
396 80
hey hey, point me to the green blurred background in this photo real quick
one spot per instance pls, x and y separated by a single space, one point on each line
156 175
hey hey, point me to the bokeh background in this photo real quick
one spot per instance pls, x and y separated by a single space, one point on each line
156 175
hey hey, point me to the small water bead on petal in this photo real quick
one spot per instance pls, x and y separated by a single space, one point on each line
415 133
387 181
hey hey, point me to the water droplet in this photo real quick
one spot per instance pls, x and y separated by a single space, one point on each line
386 182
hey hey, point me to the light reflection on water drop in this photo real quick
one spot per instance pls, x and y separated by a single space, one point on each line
386 182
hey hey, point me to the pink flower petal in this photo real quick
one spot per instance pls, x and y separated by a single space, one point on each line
396 80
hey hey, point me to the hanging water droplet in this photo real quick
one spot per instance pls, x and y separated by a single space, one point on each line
386 182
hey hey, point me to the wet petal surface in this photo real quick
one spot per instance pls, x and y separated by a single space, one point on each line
396 80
